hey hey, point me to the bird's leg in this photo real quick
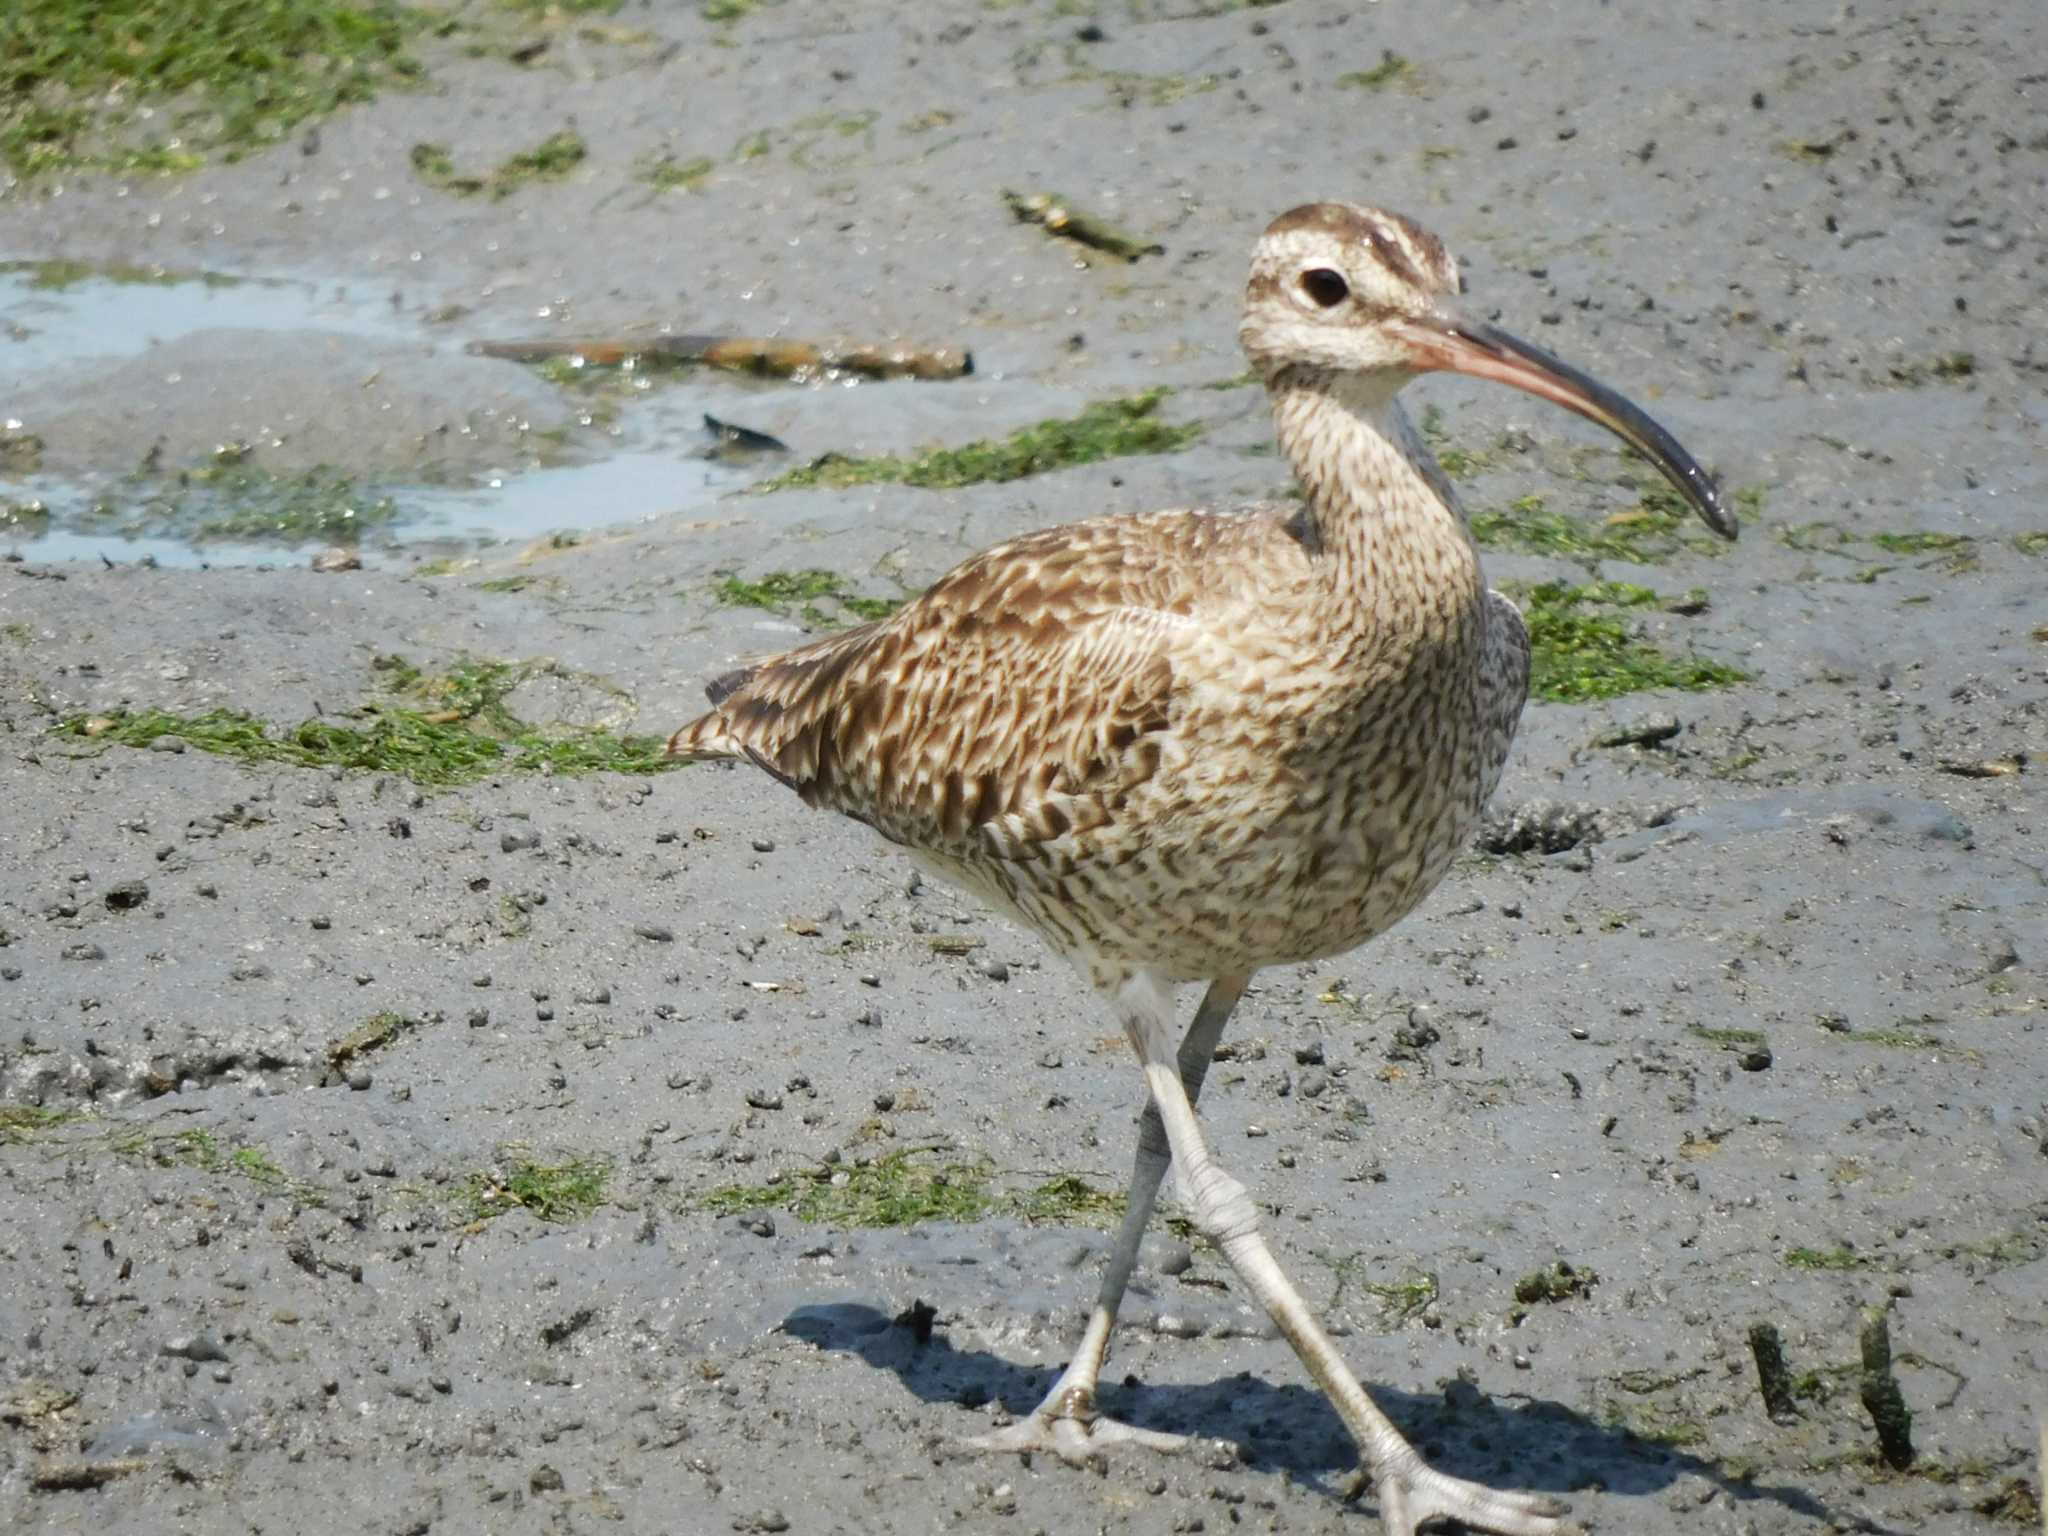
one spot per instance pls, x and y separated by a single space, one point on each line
1066 1422
1411 1492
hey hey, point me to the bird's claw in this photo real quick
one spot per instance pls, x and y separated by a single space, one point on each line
1075 1441
1414 1495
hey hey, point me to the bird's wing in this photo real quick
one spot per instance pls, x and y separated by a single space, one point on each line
1019 699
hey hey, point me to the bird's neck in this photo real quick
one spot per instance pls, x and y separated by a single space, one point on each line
1379 510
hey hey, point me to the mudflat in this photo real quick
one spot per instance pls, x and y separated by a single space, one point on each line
421 1111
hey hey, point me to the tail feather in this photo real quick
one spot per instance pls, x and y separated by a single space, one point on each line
704 739
709 736
726 684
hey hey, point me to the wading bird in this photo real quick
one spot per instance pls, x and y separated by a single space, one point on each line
1185 745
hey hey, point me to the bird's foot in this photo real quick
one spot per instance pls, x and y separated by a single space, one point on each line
1413 1495
1067 1425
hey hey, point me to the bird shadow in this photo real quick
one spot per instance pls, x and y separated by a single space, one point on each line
1531 1444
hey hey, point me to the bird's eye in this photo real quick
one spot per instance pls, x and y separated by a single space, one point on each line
1325 287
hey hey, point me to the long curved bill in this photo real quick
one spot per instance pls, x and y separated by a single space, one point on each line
1455 343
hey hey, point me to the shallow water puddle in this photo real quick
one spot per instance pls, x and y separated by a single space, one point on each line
57 315
53 313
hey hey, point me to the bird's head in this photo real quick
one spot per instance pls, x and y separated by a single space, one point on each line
1363 294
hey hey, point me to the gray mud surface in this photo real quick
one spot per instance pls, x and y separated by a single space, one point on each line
246 1286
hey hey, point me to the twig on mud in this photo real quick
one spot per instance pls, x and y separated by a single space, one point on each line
770 356
1882 1398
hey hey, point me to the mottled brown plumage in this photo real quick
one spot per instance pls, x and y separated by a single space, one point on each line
1187 744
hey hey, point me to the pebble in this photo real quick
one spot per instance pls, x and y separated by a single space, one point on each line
195 1347
1170 1256
659 933
514 842
127 895
764 845
359 1080
544 1479
1641 731
764 1098
336 559
87 951
995 970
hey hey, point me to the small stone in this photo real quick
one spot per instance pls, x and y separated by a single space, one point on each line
764 1098
1309 1055
336 559
544 1479
514 842
195 1347
659 933
1757 1060
127 895
1171 1257
360 1080
760 1223
85 951
771 1520
764 845
321 922
1641 731
995 970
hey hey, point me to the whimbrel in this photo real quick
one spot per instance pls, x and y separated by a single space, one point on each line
1185 745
